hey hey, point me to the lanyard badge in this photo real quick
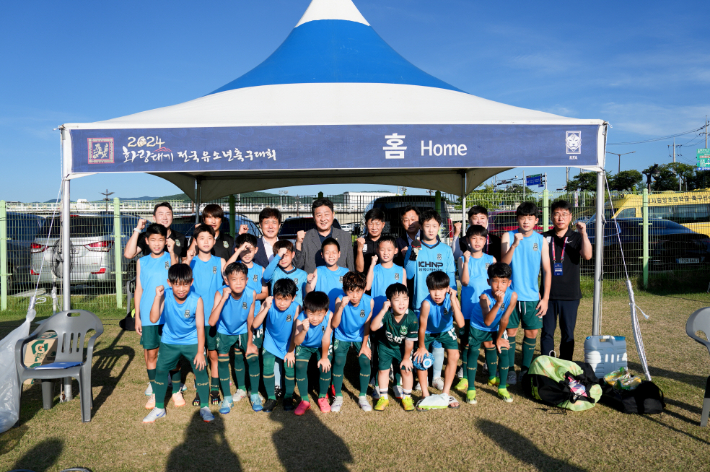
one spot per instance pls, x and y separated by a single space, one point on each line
557 266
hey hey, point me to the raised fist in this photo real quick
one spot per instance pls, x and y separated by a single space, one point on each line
243 229
141 224
226 291
387 305
159 291
499 296
300 236
457 229
345 300
311 277
282 252
360 242
467 255
581 227
171 244
305 325
518 238
268 301
374 260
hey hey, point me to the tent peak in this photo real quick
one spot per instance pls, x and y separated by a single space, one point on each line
332 10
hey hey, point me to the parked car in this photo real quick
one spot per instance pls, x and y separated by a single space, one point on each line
292 226
22 229
186 224
502 221
92 243
393 206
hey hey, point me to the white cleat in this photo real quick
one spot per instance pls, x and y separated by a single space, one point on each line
154 414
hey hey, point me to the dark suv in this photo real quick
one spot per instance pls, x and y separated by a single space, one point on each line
393 206
291 226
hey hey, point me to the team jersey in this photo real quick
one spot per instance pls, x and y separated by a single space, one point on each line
393 334
154 272
314 336
430 259
477 315
180 325
330 282
207 280
477 284
254 278
381 279
441 317
352 321
274 272
233 319
277 329
526 266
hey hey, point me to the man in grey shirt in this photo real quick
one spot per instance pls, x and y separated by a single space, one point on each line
308 243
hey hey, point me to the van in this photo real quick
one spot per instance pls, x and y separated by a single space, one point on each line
393 206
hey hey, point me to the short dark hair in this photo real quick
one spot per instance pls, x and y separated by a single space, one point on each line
246 238
179 273
238 267
437 280
429 215
203 228
269 213
396 289
315 302
285 287
283 243
560 205
156 228
329 242
375 214
387 238
477 210
353 280
476 230
527 209
409 208
162 204
321 202
212 210
500 270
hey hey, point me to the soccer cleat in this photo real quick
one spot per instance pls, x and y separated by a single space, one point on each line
239 395
324 405
226 407
364 404
256 402
214 397
337 405
438 383
278 391
433 402
178 399
462 386
151 402
154 414
382 403
494 381
471 397
512 378
521 375
376 393
269 405
503 393
206 414
288 404
149 391
196 401
302 407
398 392
407 403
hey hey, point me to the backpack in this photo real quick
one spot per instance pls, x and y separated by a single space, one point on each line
559 383
129 322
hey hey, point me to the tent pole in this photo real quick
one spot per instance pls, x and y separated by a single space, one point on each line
198 199
599 255
463 204
66 217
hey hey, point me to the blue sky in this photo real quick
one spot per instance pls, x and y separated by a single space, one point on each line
642 66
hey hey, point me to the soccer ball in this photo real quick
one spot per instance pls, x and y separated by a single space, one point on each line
425 363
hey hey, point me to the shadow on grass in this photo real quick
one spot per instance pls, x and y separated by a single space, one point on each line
41 457
205 447
105 361
690 379
522 448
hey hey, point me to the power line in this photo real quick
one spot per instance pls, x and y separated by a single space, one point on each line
658 139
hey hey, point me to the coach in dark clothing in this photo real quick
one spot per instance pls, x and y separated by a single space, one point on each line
308 244
567 249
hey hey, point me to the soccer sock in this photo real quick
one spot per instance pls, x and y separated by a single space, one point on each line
472 365
492 361
503 366
398 378
223 368
277 374
302 377
511 353
160 388
254 373
365 371
290 380
203 386
238 370
438 353
269 382
214 384
528 351
407 393
383 392
175 377
464 360
151 378
338 368
323 384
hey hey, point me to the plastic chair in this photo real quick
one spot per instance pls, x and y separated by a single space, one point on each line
71 328
700 321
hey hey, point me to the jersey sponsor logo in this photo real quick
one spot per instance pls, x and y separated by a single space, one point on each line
430 265
438 257
244 305
396 276
395 339
226 244
362 313
535 247
187 314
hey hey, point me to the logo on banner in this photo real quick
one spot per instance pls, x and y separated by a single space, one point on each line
394 148
100 150
574 142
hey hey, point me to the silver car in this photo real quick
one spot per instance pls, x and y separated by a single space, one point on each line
92 250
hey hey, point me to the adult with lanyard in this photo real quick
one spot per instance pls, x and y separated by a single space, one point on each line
308 244
366 247
138 244
567 249
212 216
477 215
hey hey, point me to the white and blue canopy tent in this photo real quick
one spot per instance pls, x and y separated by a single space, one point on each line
333 104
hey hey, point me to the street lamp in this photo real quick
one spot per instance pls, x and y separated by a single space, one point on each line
281 194
622 154
106 194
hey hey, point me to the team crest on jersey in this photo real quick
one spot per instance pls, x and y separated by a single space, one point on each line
535 247
177 242
487 266
323 329
226 244
244 305
256 277
438 257
362 313
295 281
403 330
187 314
341 279
214 269
288 318
396 276
167 265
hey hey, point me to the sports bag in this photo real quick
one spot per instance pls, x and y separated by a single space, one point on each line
646 399
565 384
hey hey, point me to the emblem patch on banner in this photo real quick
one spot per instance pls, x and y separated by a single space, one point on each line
574 142
394 148
100 150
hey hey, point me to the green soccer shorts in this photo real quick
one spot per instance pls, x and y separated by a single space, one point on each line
448 339
225 342
525 314
150 338
387 355
211 338
476 336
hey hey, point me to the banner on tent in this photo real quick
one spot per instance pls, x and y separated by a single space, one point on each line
331 147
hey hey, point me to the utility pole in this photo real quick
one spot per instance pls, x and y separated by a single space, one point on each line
706 131
623 154
673 150
524 185
566 176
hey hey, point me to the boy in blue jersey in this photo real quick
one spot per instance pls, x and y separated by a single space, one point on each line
473 267
436 323
207 273
351 328
526 251
328 278
278 313
421 259
489 320
151 272
313 333
233 316
281 267
183 312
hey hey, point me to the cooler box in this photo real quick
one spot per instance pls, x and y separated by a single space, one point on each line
605 354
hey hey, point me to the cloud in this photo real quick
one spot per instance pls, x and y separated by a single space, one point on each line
654 120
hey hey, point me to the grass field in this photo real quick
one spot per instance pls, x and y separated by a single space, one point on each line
492 435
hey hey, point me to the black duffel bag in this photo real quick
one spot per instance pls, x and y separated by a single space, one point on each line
646 399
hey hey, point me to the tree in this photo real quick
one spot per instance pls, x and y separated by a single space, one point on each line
625 180
666 175
584 180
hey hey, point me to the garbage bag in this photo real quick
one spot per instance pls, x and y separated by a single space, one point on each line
10 388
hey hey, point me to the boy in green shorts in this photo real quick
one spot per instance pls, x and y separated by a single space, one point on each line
183 338
489 321
396 341
233 315
312 333
526 251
